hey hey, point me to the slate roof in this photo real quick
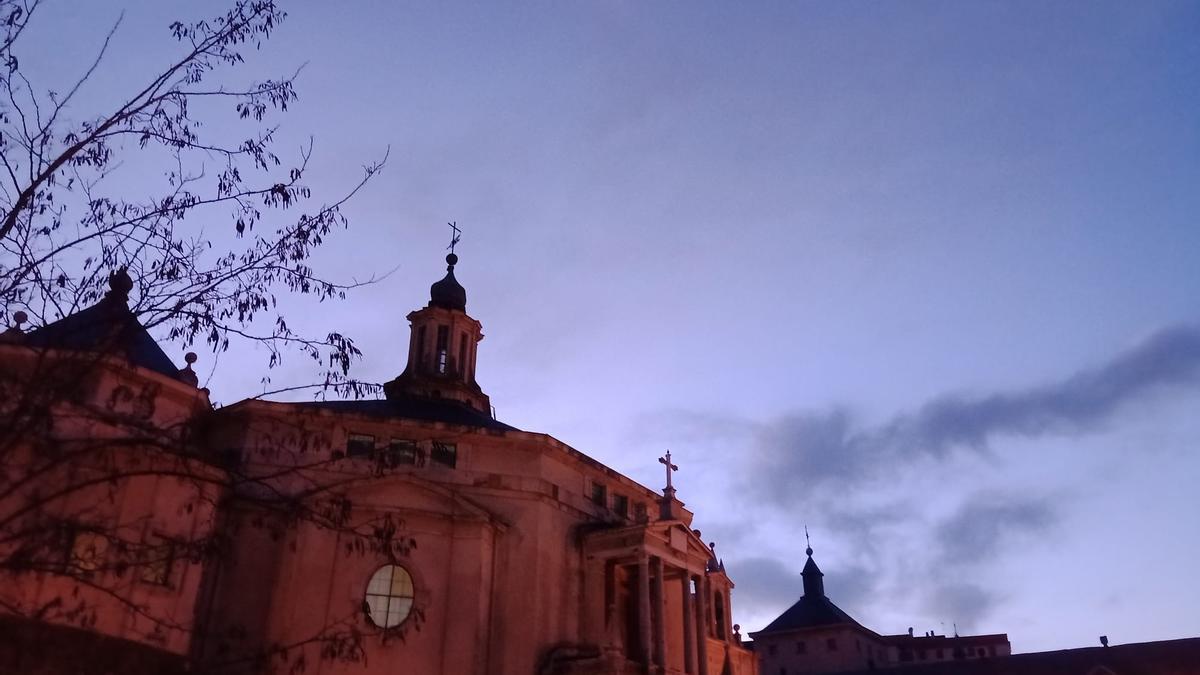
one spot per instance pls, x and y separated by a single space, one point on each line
1165 657
813 608
408 407
106 327
809 612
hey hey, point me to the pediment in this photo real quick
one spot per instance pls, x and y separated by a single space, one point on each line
410 492
670 539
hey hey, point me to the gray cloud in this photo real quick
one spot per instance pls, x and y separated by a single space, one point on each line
805 452
961 604
978 532
765 584
1079 403
986 523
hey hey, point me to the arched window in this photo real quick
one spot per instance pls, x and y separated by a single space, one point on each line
389 596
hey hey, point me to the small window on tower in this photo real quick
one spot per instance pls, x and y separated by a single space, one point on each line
462 353
403 451
445 454
801 648
360 445
443 343
599 494
831 644
639 512
621 505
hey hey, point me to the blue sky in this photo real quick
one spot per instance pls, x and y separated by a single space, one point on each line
921 275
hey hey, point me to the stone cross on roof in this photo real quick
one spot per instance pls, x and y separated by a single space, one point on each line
670 468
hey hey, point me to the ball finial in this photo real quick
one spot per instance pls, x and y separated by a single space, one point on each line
20 317
808 551
190 358
452 260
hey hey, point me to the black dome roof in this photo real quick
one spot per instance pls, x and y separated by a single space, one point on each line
448 293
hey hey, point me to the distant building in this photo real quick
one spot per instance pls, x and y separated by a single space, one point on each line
1166 657
815 636
906 649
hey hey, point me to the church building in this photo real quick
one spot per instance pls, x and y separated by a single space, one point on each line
815 636
411 533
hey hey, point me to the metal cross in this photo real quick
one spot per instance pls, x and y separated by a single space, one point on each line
670 467
455 236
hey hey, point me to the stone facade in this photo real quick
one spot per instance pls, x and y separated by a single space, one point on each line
519 554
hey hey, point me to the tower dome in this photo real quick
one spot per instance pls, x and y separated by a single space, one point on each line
448 293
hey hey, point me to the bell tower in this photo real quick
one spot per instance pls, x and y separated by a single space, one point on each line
441 349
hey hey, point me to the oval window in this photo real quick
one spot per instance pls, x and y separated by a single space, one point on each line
389 596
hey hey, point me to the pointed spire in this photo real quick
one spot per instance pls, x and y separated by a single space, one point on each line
814 584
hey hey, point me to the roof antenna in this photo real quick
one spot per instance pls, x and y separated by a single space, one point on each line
807 542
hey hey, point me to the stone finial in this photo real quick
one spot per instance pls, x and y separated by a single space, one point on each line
448 293
187 374
119 285
15 333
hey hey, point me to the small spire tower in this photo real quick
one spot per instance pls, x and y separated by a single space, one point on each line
443 343
814 582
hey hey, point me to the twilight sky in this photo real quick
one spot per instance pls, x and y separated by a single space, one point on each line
922 275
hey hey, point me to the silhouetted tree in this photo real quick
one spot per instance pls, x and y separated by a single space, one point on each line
207 260
62 232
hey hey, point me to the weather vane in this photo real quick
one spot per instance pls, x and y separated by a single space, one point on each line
456 234
670 467
807 542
